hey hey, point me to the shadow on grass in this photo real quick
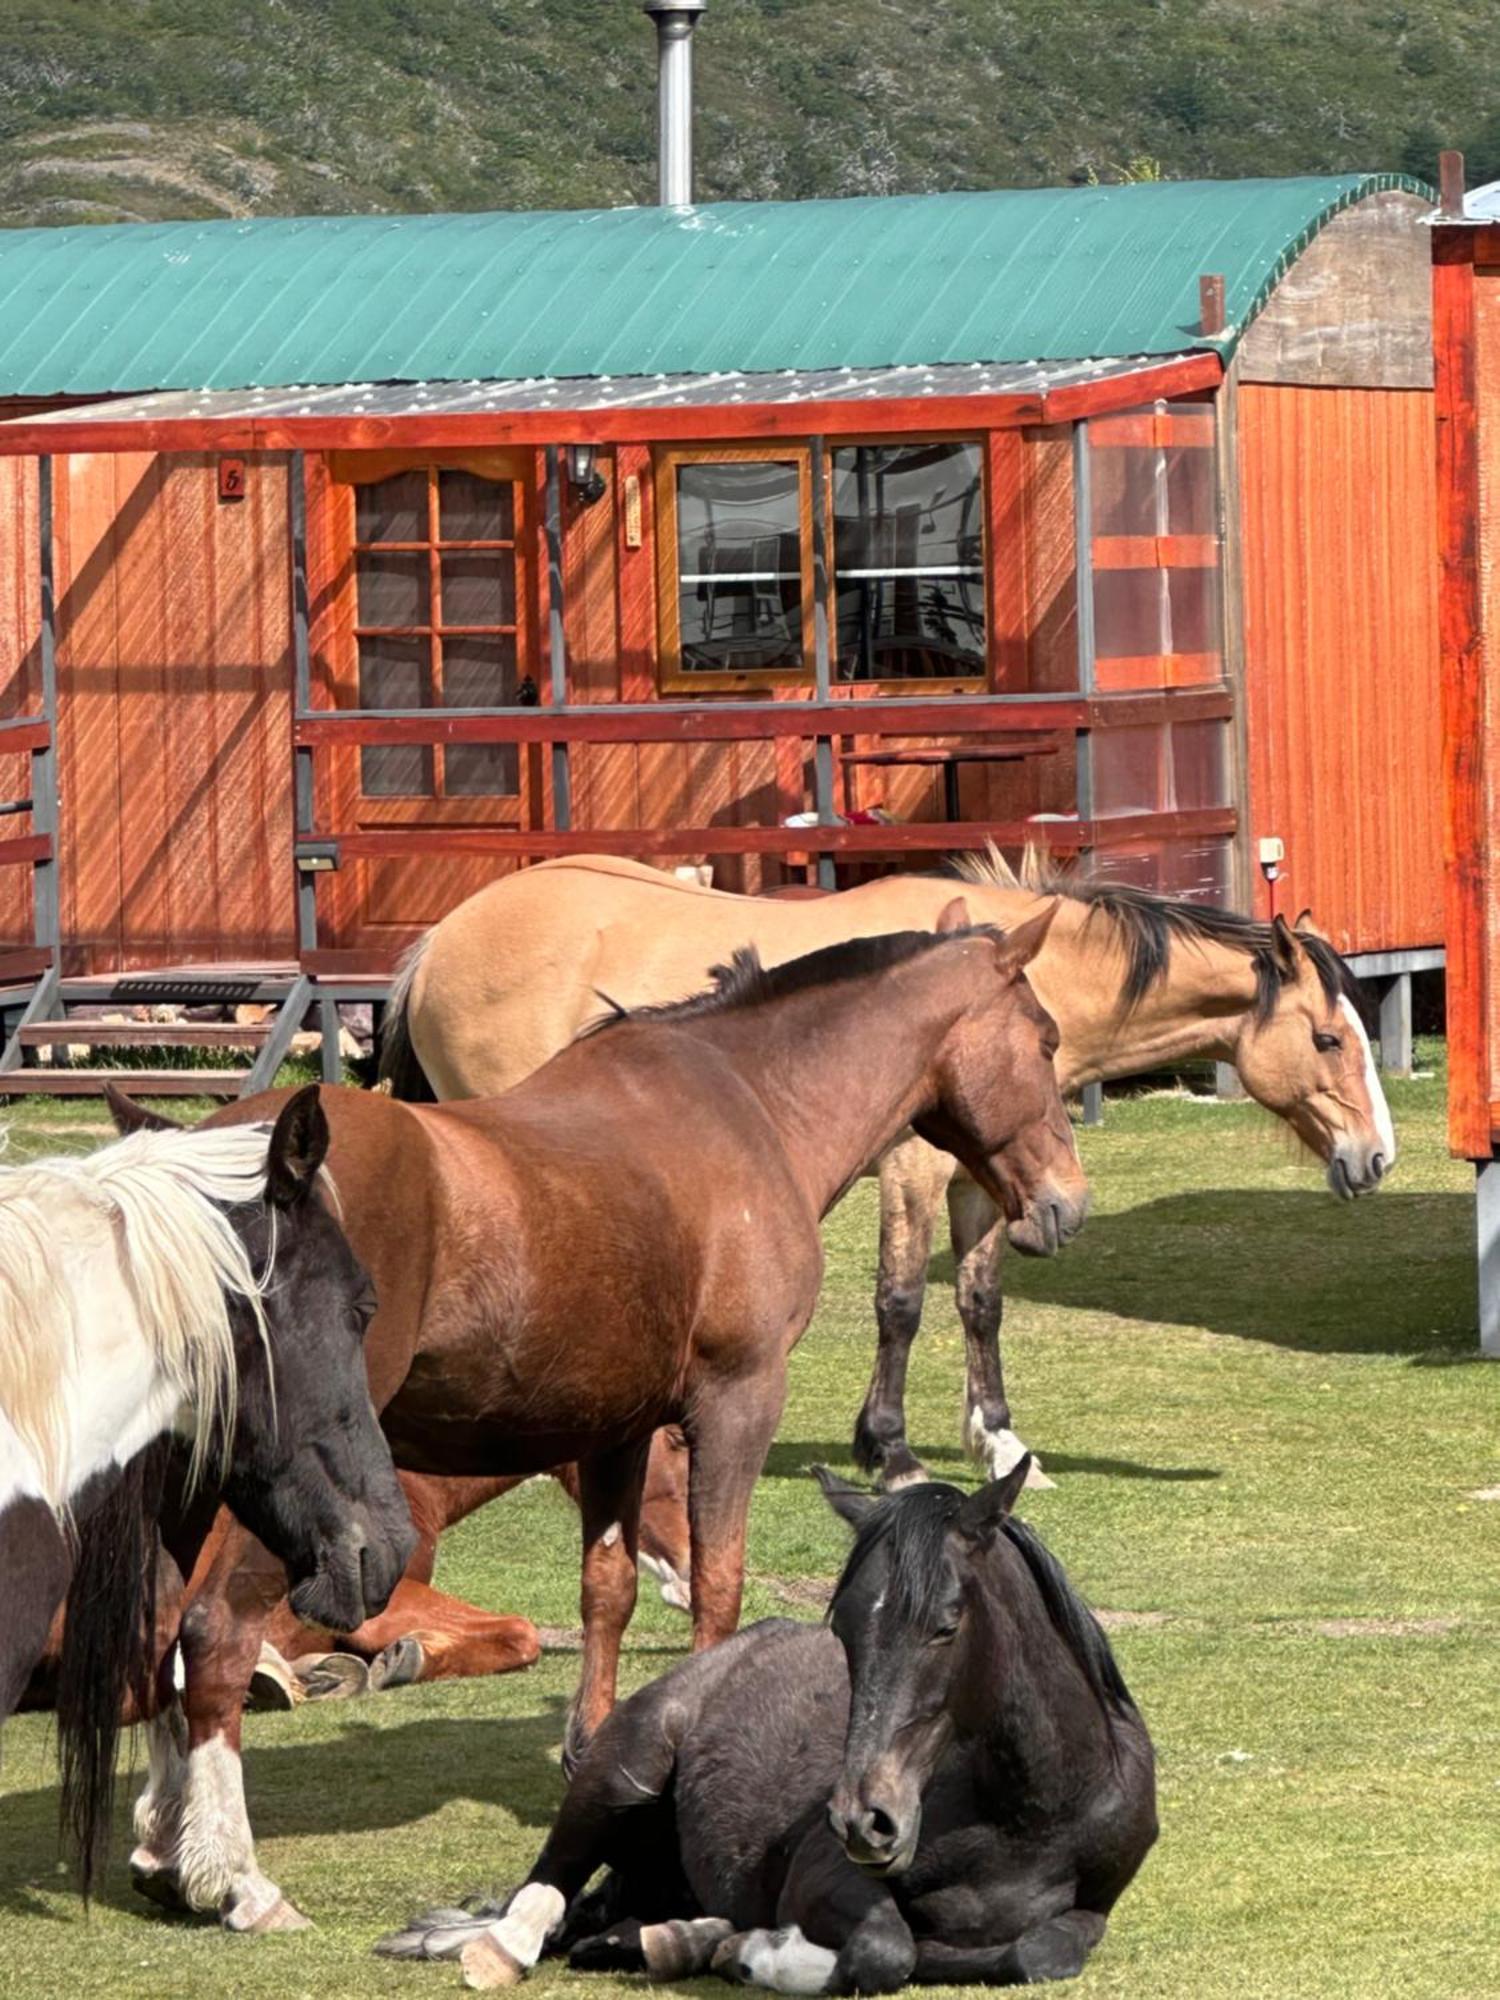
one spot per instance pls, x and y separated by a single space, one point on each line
1393 1274
365 1780
795 1460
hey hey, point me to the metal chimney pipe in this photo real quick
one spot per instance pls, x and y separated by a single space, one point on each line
675 21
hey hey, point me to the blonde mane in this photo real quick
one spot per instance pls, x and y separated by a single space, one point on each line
153 1203
990 870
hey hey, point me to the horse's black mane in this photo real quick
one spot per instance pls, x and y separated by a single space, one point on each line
1149 923
745 982
912 1526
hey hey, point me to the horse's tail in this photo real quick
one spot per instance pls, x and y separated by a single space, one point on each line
108 1652
400 1068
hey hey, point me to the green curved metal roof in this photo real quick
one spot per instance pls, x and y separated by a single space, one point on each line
1029 274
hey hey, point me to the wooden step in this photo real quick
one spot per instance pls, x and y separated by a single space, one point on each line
147 1034
134 1082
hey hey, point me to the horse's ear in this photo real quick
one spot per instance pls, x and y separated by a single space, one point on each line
955 917
299 1144
982 1513
1305 927
1284 947
129 1116
1019 947
851 1503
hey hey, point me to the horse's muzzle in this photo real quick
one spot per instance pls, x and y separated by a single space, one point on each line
1356 1170
877 1840
1047 1224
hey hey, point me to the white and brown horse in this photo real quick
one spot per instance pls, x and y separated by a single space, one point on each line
1135 982
177 1289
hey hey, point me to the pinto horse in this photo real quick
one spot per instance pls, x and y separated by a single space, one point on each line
1134 981
631 1239
949 1783
174 1282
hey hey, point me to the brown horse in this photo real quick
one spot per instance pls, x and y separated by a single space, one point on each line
1134 981
631 1239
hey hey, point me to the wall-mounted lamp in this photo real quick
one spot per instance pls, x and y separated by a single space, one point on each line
585 478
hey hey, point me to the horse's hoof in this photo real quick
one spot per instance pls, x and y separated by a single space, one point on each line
1038 1481
255 1916
331 1676
674 1587
158 1883
489 1966
273 1686
400 1665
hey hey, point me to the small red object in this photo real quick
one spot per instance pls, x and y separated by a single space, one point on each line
231 479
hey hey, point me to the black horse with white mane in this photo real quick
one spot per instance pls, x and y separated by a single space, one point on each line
949 1784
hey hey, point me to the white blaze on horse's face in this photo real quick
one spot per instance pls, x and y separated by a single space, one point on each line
1311 1063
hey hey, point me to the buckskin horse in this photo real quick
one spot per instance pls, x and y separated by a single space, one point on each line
173 1282
630 1238
1134 981
947 1783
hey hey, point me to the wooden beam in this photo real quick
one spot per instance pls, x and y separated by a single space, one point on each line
25 733
17 967
1130 711
1211 319
26 847
386 843
1462 638
416 430
698 722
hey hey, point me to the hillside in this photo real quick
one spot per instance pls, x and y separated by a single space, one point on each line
118 109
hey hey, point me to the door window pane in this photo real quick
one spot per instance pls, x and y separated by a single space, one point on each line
392 590
739 562
395 673
471 509
480 673
392 510
480 589
908 553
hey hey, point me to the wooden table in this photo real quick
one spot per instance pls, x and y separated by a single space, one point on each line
950 758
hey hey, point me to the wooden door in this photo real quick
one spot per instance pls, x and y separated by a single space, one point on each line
423 577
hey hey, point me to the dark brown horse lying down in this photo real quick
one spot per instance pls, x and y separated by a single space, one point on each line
951 1785
630 1238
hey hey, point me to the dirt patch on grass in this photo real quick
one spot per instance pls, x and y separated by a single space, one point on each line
1383 1628
802 1593
1123 1621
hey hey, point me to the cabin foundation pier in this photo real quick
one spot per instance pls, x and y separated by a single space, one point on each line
1487 1213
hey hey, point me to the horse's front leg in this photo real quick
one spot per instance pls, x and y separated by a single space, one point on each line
978 1234
912 1178
609 1499
839 1931
196 1848
729 1428
1058 1948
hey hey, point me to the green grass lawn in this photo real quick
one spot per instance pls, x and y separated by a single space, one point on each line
1267 1423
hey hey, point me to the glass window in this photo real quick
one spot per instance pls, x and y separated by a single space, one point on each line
739 566
436 595
908 562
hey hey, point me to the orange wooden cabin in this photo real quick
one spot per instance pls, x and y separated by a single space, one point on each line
349 562
1466 321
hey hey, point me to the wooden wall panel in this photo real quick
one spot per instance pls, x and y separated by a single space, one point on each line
1341 656
1475 873
174 670
20 611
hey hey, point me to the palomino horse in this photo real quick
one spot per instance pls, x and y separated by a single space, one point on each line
630 1238
1134 982
185 1283
949 1783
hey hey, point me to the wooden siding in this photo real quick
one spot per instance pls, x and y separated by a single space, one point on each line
174 690
1337 493
20 690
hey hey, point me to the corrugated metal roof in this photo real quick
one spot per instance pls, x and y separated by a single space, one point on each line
1020 275
608 392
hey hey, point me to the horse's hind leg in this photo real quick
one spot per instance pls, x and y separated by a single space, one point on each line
978 1234
912 1178
609 1499
1057 1948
